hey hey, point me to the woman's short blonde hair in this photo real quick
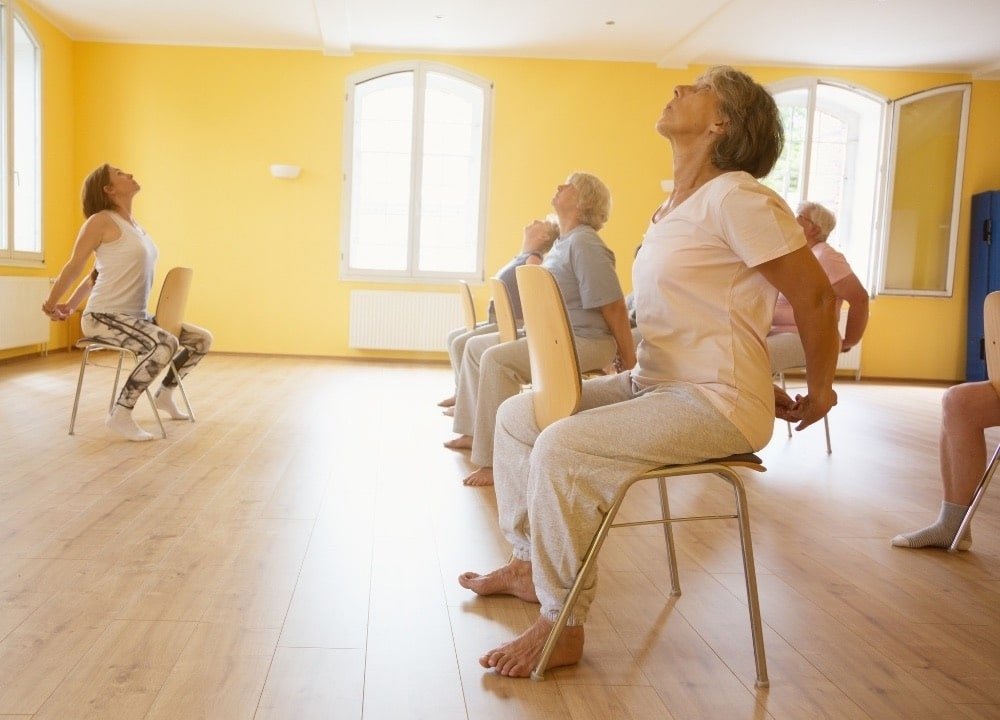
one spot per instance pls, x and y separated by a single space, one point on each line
551 232
593 199
754 135
819 216
93 196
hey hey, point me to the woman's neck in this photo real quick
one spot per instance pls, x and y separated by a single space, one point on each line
125 210
568 223
692 168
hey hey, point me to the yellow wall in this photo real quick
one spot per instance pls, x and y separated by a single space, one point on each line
199 127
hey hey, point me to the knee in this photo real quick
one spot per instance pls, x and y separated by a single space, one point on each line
169 344
204 341
516 413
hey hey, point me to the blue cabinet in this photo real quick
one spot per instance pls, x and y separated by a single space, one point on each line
984 276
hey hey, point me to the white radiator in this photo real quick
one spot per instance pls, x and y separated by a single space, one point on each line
22 322
850 360
382 320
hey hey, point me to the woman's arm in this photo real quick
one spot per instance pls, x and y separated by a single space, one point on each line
64 310
851 290
800 278
616 316
91 235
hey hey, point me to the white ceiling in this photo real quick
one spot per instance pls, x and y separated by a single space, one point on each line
947 35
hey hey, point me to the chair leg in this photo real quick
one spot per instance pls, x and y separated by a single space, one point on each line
826 427
984 483
668 535
749 574
589 561
156 413
180 385
79 387
781 376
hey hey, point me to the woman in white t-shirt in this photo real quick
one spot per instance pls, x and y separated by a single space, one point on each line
713 260
119 286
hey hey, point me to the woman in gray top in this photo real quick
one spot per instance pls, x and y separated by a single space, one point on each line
584 269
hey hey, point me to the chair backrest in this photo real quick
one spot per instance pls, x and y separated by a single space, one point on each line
506 324
468 307
173 299
991 330
555 371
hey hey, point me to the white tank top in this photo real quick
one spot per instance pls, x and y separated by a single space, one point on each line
124 272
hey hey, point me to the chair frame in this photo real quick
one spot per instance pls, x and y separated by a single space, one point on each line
991 327
468 305
826 418
557 395
169 313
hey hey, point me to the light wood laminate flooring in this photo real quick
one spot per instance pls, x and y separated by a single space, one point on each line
293 555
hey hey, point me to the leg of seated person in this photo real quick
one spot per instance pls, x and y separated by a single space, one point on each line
456 351
195 343
467 391
575 469
966 411
504 370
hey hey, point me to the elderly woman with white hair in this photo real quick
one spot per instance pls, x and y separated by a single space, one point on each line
783 342
584 268
714 257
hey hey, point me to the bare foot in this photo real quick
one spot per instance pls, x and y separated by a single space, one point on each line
479 478
447 402
518 657
462 442
449 411
514 578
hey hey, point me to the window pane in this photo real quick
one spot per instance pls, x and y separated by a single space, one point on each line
27 235
450 185
786 177
380 173
929 132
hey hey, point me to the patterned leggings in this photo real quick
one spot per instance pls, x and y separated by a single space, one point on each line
152 344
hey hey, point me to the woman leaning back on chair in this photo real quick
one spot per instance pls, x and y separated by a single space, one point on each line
713 259
119 287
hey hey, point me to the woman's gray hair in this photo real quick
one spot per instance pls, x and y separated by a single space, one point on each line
819 216
754 135
593 199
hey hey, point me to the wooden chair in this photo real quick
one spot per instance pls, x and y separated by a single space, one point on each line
991 323
169 315
778 370
468 306
557 389
504 310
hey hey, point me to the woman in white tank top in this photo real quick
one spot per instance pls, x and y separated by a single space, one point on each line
119 287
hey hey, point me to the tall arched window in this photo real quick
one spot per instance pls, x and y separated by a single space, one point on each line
833 145
20 201
416 142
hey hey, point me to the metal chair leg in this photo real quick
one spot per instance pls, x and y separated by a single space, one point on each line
749 574
79 387
180 385
826 427
977 497
589 561
156 413
668 535
781 376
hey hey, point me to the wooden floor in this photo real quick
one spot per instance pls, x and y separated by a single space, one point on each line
293 554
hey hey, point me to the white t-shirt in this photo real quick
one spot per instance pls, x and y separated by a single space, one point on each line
702 310
124 272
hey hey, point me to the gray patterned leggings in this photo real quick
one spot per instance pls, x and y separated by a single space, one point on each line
154 346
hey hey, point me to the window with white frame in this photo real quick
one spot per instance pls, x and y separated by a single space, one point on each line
416 141
20 148
833 145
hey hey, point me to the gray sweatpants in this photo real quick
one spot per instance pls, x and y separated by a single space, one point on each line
553 488
457 339
492 372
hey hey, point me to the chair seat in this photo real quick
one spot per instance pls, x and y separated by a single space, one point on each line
747 460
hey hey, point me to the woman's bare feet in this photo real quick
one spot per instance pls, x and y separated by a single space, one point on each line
514 578
518 657
479 478
449 411
462 442
447 402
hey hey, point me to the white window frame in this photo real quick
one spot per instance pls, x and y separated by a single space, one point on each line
9 14
412 274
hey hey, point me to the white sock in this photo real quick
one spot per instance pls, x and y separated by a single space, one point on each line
165 401
120 421
941 533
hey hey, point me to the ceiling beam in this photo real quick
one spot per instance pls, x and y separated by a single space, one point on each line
334 22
